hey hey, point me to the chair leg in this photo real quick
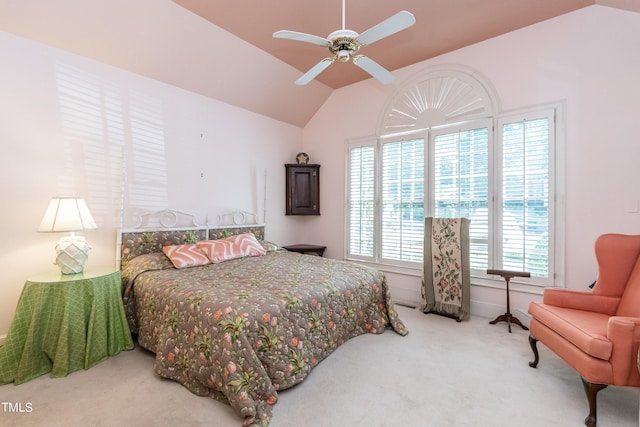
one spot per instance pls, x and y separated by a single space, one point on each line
591 390
533 343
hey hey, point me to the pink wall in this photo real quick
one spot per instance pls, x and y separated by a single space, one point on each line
65 124
215 154
587 59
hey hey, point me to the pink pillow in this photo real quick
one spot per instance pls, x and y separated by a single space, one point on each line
220 249
185 255
232 247
249 245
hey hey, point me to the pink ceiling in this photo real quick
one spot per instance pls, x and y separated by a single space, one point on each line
441 26
194 45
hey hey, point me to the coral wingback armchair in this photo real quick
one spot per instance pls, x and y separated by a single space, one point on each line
596 332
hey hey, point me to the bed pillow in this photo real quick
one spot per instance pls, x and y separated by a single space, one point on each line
238 246
188 255
270 246
220 249
249 245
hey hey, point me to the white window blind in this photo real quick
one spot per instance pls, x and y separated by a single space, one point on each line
461 185
526 226
504 181
361 202
402 204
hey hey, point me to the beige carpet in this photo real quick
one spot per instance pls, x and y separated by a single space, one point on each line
442 374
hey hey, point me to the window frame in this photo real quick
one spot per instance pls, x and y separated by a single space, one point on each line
462 127
555 186
379 195
359 143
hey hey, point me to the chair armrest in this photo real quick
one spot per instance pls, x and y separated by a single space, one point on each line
624 334
581 300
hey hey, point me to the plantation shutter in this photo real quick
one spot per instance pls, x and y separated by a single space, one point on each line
361 201
461 185
402 203
526 212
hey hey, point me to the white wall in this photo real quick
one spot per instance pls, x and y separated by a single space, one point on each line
164 41
67 123
586 58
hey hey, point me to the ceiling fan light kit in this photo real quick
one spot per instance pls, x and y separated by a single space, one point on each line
344 44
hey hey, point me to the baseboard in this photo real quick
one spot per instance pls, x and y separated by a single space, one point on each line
483 309
491 311
412 298
405 304
523 317
405 297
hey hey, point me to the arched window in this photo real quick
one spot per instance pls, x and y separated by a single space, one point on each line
445 149
437 97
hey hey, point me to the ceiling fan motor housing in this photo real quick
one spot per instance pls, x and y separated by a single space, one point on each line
343 44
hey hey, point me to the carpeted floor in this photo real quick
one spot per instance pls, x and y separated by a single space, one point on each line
442 374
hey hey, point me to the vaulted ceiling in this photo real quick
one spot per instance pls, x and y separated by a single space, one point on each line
193 44
441 26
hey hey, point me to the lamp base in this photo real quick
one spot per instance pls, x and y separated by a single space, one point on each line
72 254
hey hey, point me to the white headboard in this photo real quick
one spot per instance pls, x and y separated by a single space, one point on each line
157 229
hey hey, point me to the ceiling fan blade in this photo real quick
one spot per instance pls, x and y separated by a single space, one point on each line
373 68
392 25
302 37
314 71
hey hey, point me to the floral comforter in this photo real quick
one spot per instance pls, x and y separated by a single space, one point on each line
241 330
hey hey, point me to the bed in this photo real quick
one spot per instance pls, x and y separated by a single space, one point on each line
241 329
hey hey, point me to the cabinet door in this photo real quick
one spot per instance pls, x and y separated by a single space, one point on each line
303 190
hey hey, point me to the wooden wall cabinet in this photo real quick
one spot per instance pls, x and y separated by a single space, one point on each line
303 189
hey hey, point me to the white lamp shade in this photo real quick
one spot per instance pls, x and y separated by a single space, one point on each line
67 214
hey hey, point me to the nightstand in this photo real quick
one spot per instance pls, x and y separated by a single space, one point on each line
64 323
307 249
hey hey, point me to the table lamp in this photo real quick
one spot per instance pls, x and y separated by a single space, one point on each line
69 214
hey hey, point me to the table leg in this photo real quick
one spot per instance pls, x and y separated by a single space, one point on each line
508 317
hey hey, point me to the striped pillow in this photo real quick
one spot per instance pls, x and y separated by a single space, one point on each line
232 247
185 255
249 245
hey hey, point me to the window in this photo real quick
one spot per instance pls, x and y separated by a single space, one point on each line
402 209
361 201
498 171
461 184
526 207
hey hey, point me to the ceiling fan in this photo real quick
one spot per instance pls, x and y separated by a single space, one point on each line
344 44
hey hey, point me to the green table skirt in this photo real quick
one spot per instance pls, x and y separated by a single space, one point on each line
64 326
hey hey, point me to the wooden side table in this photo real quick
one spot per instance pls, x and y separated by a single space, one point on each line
508 317
64 323
307 249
